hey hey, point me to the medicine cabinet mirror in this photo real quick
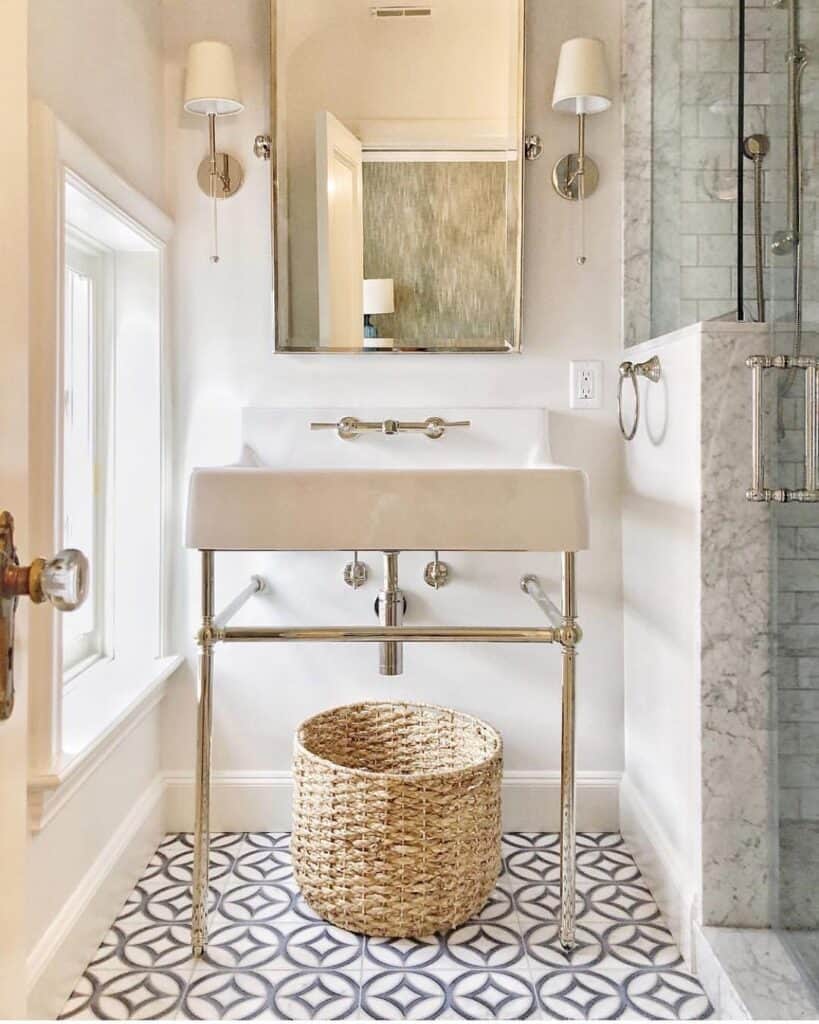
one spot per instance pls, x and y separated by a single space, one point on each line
397 150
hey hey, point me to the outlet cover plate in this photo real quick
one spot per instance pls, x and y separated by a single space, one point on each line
586 384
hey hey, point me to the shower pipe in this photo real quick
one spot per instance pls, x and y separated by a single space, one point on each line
563 630
790 240
755 148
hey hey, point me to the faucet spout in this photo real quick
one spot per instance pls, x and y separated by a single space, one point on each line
390 607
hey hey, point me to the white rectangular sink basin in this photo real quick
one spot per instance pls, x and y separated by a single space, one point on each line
251 508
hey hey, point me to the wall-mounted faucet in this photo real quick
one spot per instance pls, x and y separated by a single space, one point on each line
349 428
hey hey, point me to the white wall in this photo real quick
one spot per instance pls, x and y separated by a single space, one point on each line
661 810
223 357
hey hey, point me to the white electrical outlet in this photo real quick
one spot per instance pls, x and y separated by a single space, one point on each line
586 385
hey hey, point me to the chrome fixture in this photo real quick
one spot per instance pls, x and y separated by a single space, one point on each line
756 147
401 11
436 573
356 573
349 427
263 147
789 240
565 631
651 370
758 490
211 91
63 581
533 147
582 87
257 585
390 607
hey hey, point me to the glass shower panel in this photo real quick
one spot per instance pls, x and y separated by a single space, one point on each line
783 37
694 170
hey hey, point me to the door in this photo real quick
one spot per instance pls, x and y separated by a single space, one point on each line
340 215
14 488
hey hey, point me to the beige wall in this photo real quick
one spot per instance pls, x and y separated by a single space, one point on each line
98 65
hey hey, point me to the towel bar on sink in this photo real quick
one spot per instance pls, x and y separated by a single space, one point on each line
563 630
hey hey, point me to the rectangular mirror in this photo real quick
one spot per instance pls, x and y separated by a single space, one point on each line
397 175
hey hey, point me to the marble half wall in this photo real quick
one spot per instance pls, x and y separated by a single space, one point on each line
737 681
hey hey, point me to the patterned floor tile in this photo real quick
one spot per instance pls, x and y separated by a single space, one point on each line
128 995
581 994
271 956
258 902
170 904
493 995
265 866
404 995
493 945
667 995
601 945
244 945
539 902
228 995
466 995
140 943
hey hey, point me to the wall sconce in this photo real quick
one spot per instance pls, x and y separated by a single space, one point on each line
582 87
211 91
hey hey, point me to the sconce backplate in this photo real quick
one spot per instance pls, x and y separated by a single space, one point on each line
228 179
565 169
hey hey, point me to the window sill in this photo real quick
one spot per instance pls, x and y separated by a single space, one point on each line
99 710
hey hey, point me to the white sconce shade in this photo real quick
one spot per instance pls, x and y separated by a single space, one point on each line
210 83
379 295
582 84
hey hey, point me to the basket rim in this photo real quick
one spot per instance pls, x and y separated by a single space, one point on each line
435 773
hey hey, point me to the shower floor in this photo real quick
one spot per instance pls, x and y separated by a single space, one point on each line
270 956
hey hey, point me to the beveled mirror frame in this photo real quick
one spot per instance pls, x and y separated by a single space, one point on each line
280 294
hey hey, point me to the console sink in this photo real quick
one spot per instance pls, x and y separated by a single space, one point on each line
250 508
489 487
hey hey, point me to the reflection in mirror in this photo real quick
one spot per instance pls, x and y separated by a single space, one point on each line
397 171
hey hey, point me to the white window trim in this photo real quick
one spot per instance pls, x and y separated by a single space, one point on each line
100 646
74 728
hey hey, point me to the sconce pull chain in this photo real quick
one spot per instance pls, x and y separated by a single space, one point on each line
581 255
214 252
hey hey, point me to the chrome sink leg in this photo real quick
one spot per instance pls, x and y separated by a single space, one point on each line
570 637
204 738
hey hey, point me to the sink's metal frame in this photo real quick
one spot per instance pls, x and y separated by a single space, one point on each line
563 630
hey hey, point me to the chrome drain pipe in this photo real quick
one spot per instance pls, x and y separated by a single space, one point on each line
390 606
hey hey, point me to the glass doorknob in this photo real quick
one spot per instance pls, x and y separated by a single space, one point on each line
62 580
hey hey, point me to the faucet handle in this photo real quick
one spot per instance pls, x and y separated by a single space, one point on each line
62 580
435 427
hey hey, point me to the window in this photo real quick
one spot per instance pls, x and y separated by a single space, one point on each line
86 345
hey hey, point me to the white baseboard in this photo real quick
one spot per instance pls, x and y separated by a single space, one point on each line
262 801
74 935
668 878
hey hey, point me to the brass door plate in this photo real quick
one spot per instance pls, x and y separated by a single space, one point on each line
9 575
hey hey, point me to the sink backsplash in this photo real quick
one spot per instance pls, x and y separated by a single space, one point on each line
496 437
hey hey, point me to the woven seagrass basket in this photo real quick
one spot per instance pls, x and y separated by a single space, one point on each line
396 816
